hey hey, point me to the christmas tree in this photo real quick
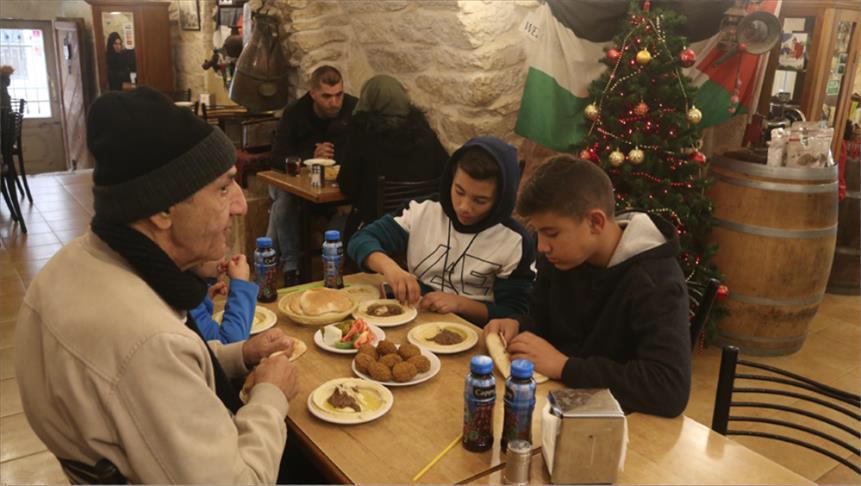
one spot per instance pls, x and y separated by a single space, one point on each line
645 134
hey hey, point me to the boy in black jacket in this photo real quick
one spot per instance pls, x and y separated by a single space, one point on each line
609 308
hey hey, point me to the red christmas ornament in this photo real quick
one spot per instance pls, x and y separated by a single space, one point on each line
614 54
722 292
698 157
687 57
641 109
647 5
585 155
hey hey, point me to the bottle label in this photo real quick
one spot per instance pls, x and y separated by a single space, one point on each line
478 417
265 267
333 265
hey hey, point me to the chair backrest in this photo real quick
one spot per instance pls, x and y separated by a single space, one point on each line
103 472
782 416
702 301
392 195
21 104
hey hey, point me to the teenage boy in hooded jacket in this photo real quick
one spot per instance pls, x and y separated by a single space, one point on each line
610 305
464 252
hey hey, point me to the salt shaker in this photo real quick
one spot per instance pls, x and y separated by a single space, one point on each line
518 459
316 175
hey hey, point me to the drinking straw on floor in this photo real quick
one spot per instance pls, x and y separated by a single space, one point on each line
437 458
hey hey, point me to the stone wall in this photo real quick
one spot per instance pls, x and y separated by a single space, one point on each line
462 61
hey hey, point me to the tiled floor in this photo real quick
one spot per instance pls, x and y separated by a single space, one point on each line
63 207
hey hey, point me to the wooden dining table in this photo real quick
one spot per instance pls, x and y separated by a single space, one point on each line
309 196
427 417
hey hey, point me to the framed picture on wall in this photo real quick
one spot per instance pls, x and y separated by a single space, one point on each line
189 14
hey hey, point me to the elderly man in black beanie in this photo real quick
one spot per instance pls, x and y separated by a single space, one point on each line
109 364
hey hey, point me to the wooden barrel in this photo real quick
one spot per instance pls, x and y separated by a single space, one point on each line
776 227
846 271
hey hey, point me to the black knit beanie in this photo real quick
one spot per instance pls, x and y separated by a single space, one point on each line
150 154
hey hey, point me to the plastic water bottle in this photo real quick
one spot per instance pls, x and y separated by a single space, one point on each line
333 260
479 396
266 270
519 403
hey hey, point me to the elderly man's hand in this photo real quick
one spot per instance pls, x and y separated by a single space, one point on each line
280 372
262 345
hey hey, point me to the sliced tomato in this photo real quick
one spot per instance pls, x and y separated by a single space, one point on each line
365 338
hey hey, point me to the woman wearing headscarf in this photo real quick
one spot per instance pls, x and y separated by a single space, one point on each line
120 61
388 137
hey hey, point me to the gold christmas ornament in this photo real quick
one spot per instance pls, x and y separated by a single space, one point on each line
616 158
641 109
644 56
636 155
591 111
695 115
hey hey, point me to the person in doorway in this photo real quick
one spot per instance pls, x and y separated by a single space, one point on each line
465 254
388 137
110 365
121 62
314 127
610 305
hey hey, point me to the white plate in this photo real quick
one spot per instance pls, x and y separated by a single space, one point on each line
184 104
435 366
388 398
263 319
409 314
318 340
418 333
323 162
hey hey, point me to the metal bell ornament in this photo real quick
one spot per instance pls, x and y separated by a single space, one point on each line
260 82
591 111
687 57
616 158
636 155
643 57
695 115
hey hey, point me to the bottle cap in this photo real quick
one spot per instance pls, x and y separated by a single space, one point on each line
481 365
264 242
332 235
522 368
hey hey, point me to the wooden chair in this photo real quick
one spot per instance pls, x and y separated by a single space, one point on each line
727 389
392 195
8 175
702 299
18 152
103 472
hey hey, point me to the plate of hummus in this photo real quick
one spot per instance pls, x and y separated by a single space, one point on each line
350 401
443 337
385 312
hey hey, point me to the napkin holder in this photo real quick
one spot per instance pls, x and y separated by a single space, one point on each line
584 436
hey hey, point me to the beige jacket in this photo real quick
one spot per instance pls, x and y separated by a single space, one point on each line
106 369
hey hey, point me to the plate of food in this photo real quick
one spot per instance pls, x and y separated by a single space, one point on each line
323 162
346 337
263 319
385 312
350 401
362 292
393 365
496 348
443 337
317 307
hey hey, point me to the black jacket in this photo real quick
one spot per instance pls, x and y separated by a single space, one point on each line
300 129
624 328
407 152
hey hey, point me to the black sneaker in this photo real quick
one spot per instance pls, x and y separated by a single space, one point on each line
291 278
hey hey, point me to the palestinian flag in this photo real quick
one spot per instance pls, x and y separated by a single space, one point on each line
567 38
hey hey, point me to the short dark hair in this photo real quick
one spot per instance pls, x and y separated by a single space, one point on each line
567 186
325 74
478 164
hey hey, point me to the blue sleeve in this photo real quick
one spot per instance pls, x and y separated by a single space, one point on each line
384 235
238 311
202 316
511 294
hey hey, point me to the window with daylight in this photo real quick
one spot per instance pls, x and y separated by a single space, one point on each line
24 50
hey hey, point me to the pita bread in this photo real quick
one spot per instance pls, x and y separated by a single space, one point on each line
502 360
321 301
299 348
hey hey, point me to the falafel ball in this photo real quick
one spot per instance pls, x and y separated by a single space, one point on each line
370 350
363 361
379 371
403 372
391 360
385 347
421 363
408 350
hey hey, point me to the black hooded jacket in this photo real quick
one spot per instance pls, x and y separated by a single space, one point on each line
624 327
